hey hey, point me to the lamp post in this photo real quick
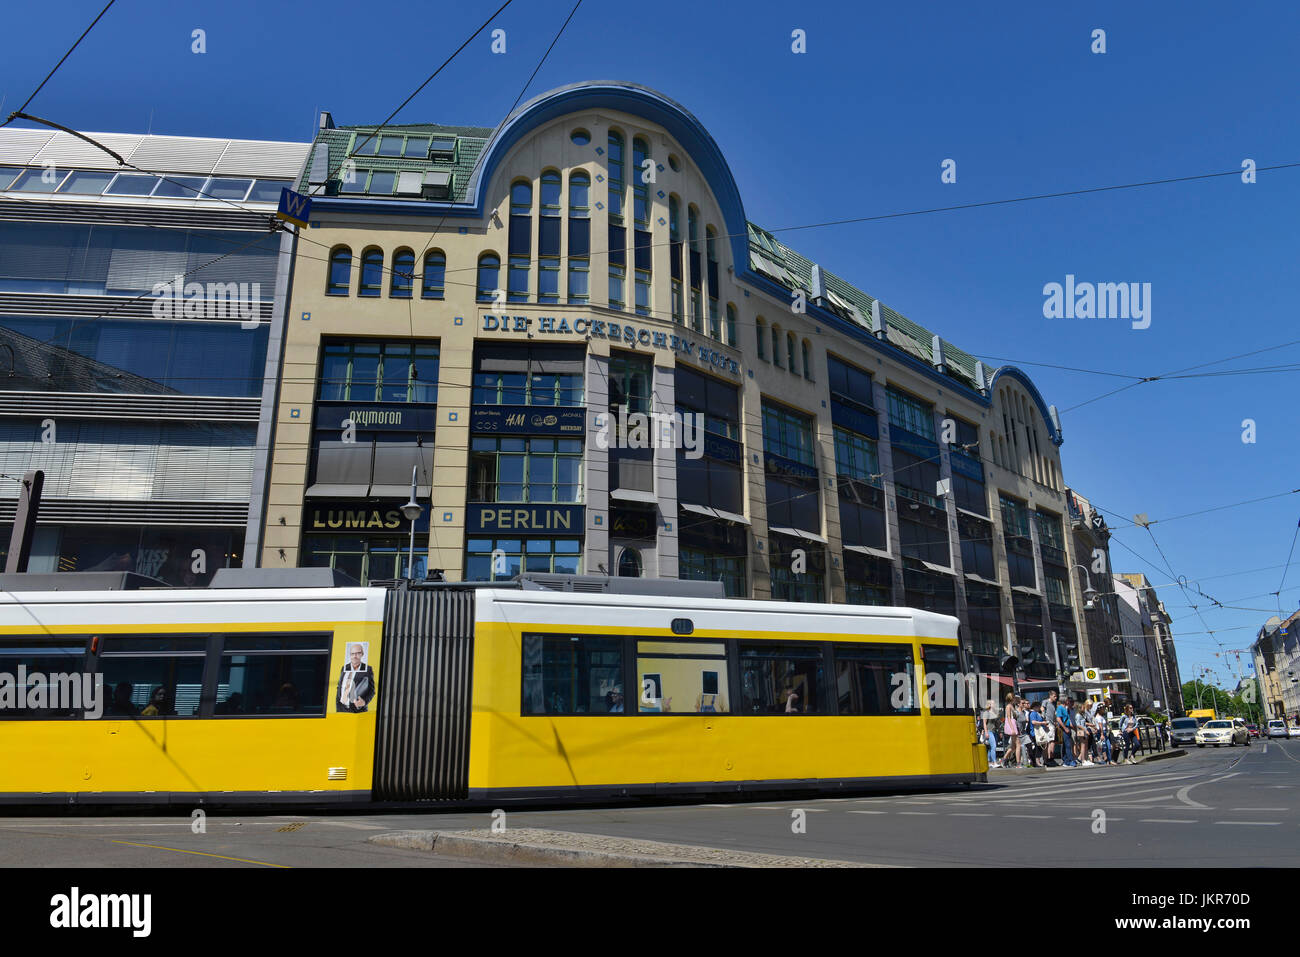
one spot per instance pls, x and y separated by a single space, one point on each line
411 511
1089 593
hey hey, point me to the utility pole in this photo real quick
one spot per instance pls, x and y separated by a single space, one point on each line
29 505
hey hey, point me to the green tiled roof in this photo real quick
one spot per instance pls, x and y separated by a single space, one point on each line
767 255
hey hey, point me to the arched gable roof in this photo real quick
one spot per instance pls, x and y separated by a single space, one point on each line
1028 385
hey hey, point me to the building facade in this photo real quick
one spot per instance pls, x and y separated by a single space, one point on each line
1276 655
1100 644
1138 646
140 322
1167 684
592 361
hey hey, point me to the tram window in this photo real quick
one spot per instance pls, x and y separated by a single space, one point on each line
781 678
875 679
682 677
946 690
566 674
151 686
273 675
53 683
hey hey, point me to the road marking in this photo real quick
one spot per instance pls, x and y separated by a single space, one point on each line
1182 794
920 813
1165 820
374 827
970 814
868 812
181 850
1040 817
1255 823
1260 809
1089 818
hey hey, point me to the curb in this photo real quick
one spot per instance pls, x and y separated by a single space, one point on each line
491 851
562 849
1143 759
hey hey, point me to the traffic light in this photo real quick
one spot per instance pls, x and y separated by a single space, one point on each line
1009 664
1028 655
1071 657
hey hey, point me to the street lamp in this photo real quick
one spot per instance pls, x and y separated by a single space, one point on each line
1089 593
411 511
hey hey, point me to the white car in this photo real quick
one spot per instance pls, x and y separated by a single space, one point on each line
1224 731
1277 728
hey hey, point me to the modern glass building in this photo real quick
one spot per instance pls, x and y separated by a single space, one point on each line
595 362
140 315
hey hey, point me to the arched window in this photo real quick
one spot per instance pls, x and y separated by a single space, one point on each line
340 277
731 325
629 563
776 344
675 254
435 275
640 189
579 238
548 233
616 185
372 272
760 324
711 254
696 273
403 278
791 352
807 360
489 276
521 240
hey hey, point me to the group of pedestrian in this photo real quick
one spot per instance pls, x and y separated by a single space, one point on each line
1043 734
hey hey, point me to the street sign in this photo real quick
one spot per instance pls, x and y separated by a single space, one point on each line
294 207
1114 674
1091 674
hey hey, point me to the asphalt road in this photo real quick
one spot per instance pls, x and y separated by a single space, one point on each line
1214 807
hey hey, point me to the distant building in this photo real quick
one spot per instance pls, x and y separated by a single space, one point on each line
1276 655
1162 658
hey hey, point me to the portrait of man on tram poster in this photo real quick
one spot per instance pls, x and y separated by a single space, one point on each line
357 679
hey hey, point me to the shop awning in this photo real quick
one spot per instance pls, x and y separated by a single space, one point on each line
797 533
868 550
939 568
714 513
634 495
971 576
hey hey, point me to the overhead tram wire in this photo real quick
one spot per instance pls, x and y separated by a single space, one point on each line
16 113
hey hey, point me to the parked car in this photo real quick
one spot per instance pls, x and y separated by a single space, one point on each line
1277 728
1253 729
1224 731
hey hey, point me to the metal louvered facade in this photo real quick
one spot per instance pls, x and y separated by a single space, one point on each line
422 738
146 402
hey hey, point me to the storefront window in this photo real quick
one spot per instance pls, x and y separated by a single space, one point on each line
364 558
525 470
377 371
499 559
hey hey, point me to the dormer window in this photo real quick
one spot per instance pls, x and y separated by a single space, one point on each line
443 148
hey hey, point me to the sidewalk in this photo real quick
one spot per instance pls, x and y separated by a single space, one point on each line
1141 759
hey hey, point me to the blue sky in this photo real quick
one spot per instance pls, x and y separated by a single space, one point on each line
858 126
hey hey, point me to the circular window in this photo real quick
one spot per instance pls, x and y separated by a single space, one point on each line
674 163
580 137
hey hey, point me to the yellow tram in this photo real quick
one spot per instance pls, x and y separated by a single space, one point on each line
274 691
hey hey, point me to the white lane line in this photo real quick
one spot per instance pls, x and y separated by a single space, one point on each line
1165 820
920 813
868 812
1182 794
355 826
1255 823
1260 809
970 814
1109 819
1164 781
1039 817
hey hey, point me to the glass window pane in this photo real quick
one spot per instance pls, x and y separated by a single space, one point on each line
183 187
133 184
87 182
42 659
152 686
268 190
9 173
572 675
417 146
220 188
781 679
382 182
390 146
269 684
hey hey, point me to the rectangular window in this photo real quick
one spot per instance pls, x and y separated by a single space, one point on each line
697 564
682 678
977 548
984 614
875 679
525 470
642 292
697 310
945 688
579 290
910 414
617 277
517 279
785 678
856 457
273 675
572 675
153 678
379 371
630 378
677 300
788 433
548 280
715 320
498 559
788 585
848 383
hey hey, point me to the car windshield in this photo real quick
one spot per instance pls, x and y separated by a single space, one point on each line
1275 724
1217 725
1183 724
